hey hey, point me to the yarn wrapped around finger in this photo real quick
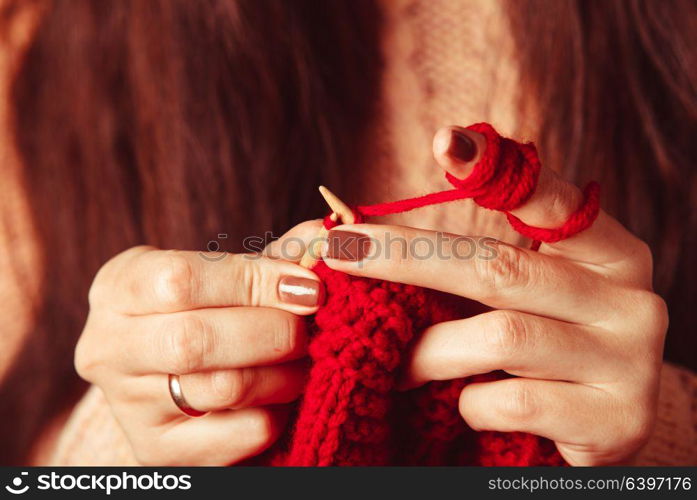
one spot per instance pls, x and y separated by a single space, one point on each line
351 413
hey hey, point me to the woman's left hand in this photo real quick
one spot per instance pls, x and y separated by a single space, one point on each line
576 322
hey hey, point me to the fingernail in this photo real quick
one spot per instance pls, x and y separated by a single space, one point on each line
346 245
461 147
300 291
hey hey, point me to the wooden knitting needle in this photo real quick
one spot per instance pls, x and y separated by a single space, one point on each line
340 209
340 212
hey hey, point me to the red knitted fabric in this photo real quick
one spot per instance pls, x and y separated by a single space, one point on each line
350 413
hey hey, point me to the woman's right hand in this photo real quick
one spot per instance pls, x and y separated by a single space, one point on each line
232 330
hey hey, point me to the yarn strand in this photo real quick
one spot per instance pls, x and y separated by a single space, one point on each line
503 180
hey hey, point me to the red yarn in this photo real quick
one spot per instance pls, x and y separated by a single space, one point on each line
351 413
581 219
503 179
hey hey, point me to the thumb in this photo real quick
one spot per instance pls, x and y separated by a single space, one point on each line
294 243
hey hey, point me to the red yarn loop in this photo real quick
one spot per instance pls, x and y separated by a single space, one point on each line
504 179
580 220
506 175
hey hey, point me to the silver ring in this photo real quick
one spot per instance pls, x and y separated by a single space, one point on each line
175 390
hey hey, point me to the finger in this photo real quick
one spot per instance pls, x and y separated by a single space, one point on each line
606 242
219 438
145 281
243 387
494 273
568 413
518 343
211 339
293 244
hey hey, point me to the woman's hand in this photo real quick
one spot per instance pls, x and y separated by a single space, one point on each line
576 322
229 327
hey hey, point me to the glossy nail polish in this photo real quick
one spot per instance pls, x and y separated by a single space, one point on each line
347 245
461 147
300 291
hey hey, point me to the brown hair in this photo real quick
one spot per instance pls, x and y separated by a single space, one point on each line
615 86
169 121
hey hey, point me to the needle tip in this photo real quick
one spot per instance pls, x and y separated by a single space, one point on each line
339 207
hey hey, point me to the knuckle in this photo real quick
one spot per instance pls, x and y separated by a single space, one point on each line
174 282
508 335
518 403
88 355
186 343
250 279
83 360
637 268
639 434
652 315
99 289
95 295
286 335
657 309
398 250
232 388
643 256
509 268
102 285
636 428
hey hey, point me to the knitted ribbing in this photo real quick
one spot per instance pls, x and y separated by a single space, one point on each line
350 413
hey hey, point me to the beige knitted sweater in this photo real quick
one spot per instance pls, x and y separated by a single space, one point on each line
448 62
